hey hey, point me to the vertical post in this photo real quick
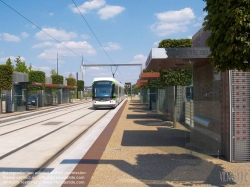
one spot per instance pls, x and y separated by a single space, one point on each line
1 101
57 64
131 90
76 86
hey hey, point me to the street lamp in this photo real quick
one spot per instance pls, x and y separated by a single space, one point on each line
57 63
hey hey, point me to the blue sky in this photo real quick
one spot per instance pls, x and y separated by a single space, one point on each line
126 29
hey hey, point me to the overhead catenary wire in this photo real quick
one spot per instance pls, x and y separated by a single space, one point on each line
95 37
45 32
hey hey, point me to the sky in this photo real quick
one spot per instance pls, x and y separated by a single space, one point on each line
45 33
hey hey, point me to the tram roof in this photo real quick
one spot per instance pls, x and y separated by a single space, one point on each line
108 79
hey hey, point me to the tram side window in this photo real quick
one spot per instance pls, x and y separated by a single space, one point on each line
115 91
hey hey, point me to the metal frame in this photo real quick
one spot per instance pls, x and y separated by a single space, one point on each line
89 65
230 116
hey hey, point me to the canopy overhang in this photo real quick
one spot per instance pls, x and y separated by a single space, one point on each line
177 58
149 75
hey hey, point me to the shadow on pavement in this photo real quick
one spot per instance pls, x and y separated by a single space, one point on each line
167 170
153 123
160 137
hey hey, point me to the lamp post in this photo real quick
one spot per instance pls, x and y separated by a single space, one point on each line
57 62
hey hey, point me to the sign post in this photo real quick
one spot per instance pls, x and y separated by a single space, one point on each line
128 85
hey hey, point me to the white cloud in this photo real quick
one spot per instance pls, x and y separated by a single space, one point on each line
51 14
9 37
139 59
176 16
25 35
198 25
41 45
61 35
88 5
3 60
42 68
156 43
111 46
172 22
84 36
110 11
81 48
95 68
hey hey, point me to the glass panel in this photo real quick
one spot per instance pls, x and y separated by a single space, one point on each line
48 97
19 98
3 100
203 112
102 89
32 100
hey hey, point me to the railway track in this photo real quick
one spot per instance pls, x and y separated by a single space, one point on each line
68 127
32 118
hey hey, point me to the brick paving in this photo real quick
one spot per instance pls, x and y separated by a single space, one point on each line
146 151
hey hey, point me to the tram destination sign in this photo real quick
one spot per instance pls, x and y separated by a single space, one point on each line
128 84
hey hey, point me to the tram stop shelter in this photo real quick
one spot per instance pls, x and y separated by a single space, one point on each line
57 94
22 100
215 108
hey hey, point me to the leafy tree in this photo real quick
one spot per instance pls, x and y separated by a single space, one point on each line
9 62
30 68
175 43
57 79
53 72
6 78
135 90
229 23
20 66
80 85
37 76
71 81
177 77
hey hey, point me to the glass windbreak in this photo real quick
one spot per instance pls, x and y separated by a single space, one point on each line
102 89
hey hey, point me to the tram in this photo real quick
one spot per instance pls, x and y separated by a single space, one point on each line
106 92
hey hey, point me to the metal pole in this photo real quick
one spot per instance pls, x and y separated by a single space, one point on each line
57 64
76 87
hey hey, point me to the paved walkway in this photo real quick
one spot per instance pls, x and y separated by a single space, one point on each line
142 150
139 149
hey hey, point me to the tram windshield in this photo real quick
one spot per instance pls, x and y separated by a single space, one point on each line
102 89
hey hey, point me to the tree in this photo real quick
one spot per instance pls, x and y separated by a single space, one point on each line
9 63
175 43
20 66
177 77
6 78
53 72
229 23
30 68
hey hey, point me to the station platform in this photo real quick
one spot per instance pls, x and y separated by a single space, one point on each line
137 148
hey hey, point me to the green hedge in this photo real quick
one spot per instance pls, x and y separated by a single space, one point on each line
71 81
181 77
37 76
57 79
6 77
80 85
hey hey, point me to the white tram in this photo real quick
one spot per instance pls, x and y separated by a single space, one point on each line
107 92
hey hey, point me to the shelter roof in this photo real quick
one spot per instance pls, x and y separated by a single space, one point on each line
177 58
